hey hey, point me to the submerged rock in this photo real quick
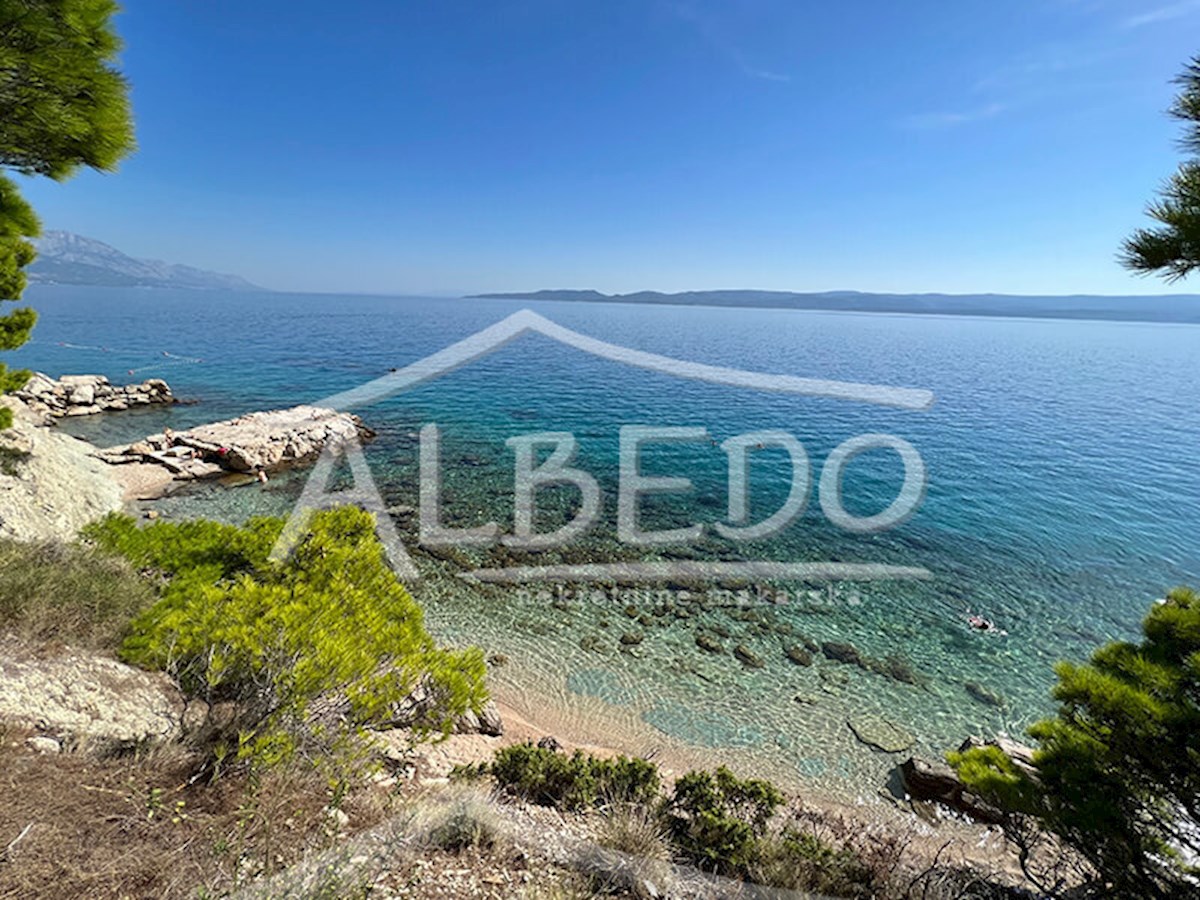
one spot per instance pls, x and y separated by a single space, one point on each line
799 655
842 652
709 644
748 657
895 667
592 643
880 734
984 695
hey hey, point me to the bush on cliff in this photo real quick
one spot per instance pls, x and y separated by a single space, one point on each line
1118 769
578 781
302 650
719 821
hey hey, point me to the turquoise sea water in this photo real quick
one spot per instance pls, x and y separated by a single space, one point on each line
1063 495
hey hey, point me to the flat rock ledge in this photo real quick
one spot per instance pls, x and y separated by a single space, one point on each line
81 697
258 442
85 395
880 734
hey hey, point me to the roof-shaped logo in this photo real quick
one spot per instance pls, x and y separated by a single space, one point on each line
364 493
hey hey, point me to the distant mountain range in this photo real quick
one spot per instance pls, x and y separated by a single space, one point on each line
1161 308
65 258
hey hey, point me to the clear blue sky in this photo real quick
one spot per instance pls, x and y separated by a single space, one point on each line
443 145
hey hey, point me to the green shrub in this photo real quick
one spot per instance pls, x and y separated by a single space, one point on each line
800 861
12 459
201 549
330 629
717 820
78 595
578 781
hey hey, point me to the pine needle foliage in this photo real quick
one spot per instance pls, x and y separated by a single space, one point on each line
1172 249
63 106
1118 769
282 644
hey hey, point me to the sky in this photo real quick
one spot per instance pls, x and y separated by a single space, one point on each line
444 146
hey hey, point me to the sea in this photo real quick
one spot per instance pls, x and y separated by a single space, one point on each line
1062 498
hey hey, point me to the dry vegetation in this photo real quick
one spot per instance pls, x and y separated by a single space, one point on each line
133 826
63 593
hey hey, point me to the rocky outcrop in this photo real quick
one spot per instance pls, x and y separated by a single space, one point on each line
931 781
86 698
420 709
50 483
85 395
1020 754
257 442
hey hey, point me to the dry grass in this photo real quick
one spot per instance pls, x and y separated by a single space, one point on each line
62 593
560 886
459 817
133 826
635 830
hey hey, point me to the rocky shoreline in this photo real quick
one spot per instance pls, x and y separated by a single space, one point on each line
51 484
258 442
86 395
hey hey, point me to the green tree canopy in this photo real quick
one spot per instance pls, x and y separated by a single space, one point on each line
1118 770
63 105
305 650
1172 249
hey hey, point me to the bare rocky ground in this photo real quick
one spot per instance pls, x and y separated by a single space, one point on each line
51 484
72 698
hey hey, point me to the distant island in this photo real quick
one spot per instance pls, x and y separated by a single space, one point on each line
1160 308
65 258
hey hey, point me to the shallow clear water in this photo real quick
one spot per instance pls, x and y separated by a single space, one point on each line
1062 498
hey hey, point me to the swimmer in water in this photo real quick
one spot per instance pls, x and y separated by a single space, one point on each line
983 624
